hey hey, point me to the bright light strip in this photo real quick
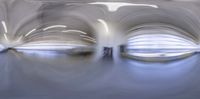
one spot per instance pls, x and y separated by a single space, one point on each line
159 45
45 47
94 41
31 31
19 39
160 41
56 41
105 25
5 36
114 6
53 45
49 46
78 31
88 37
4 26
159 37
54 26
150 55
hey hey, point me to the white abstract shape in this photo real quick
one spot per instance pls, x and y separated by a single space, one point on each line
78 31
31 31
105 25
114 6
159 45
91 40
54 26
4 26
52 45
19 39
5 36
88 37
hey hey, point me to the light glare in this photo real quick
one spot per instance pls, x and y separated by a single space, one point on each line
114 6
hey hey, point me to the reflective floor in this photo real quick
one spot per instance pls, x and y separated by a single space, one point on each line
50 76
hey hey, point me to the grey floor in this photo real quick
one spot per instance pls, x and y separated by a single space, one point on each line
54 76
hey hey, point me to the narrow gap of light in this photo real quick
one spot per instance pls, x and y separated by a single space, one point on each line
53 44
50 46
105 25
74 31
19 39
89 40
4 26
159 54
154 45
165 41
54 26
114 6
87 37
5 36
54 41
158 36
46 47
143 47
31 31
152 42
158 39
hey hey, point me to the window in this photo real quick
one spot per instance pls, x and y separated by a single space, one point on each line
159 42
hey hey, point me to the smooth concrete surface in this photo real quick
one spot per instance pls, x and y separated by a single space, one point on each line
54 76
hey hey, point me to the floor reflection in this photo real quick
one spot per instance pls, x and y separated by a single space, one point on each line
38 75
23 75
160 79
